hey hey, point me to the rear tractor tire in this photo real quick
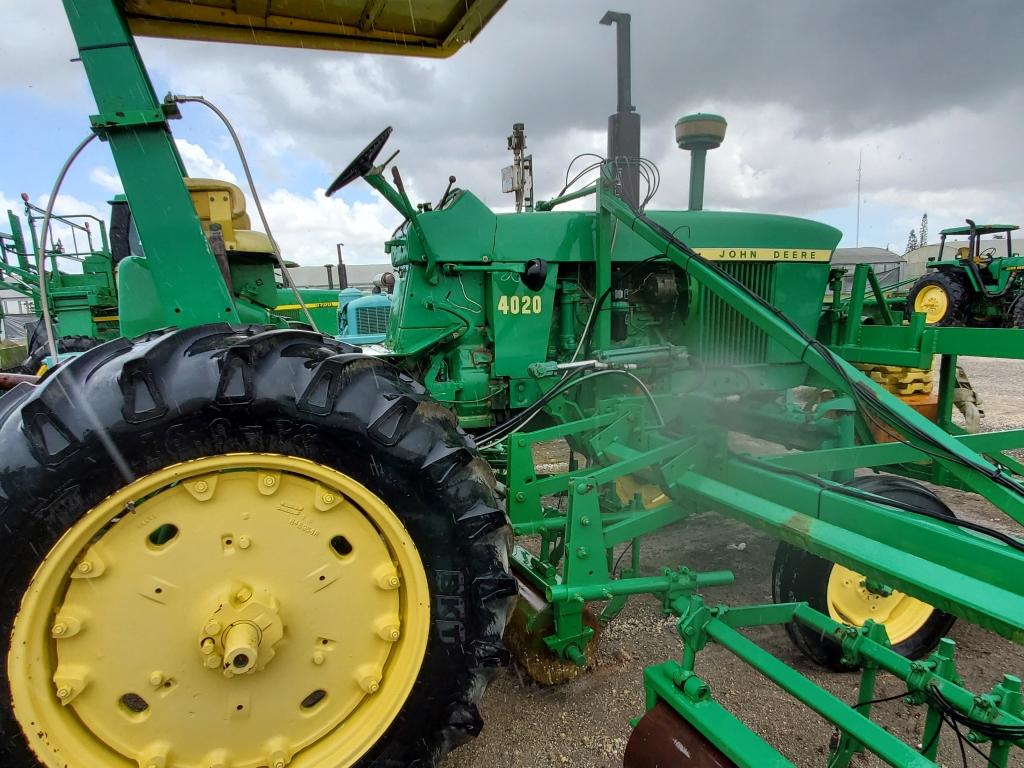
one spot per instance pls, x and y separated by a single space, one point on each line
1016 315
944 297
914 627
240 548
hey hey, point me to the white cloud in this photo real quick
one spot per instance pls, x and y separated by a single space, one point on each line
106 180
307 226
201 165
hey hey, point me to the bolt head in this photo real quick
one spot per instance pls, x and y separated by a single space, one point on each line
269 481
328 498
214 661
202 486
244 542
208 646
156 678
63 693
85 567
370 684
319 658
244 594
213 628
59 629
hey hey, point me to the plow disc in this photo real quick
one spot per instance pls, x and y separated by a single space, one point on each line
663 739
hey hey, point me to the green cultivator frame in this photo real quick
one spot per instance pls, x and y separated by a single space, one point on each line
305 536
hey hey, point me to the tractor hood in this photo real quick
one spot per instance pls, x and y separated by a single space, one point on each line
435 28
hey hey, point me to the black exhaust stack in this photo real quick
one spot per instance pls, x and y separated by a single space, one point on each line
624 125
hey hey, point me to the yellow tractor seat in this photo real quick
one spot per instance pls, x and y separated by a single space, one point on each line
221 202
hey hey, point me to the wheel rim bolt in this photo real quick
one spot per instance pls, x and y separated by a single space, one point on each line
59 629
209 645
370 684
214 661
202 486
328 498
213 628
244 542
63 693
269 481
319 658
85 567
244 594
156 678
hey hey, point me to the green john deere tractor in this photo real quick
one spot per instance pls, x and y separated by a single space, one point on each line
230 540
84 302
977 285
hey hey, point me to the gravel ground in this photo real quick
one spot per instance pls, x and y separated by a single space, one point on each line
585 723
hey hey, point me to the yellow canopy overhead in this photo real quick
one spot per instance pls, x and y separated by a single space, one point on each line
436 28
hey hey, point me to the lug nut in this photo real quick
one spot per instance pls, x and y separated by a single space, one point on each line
213 628
388 580
270 481
328 498
370 684
244 542
202 486
319 658
156 678
244 594
85 567
214 661
208 646
59 629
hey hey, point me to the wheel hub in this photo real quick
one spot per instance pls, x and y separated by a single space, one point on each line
933 301
239 637
240 611
853 600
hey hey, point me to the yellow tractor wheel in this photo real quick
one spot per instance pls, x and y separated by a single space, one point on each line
248 550
914 627
943 296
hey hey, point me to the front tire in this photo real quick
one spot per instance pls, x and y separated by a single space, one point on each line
301 514
914 627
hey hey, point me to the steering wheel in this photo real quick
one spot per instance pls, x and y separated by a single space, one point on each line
362 164
987 255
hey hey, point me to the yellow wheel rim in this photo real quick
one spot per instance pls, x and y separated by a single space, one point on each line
933 301
851 602
237 611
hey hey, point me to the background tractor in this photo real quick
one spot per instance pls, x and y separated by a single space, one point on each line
83 303
256 545
975 286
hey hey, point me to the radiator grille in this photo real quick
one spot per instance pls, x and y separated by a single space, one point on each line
372 319
726 337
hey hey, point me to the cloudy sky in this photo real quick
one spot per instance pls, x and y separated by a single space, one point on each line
931 92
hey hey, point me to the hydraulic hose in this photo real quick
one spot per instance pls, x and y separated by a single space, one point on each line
44 299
